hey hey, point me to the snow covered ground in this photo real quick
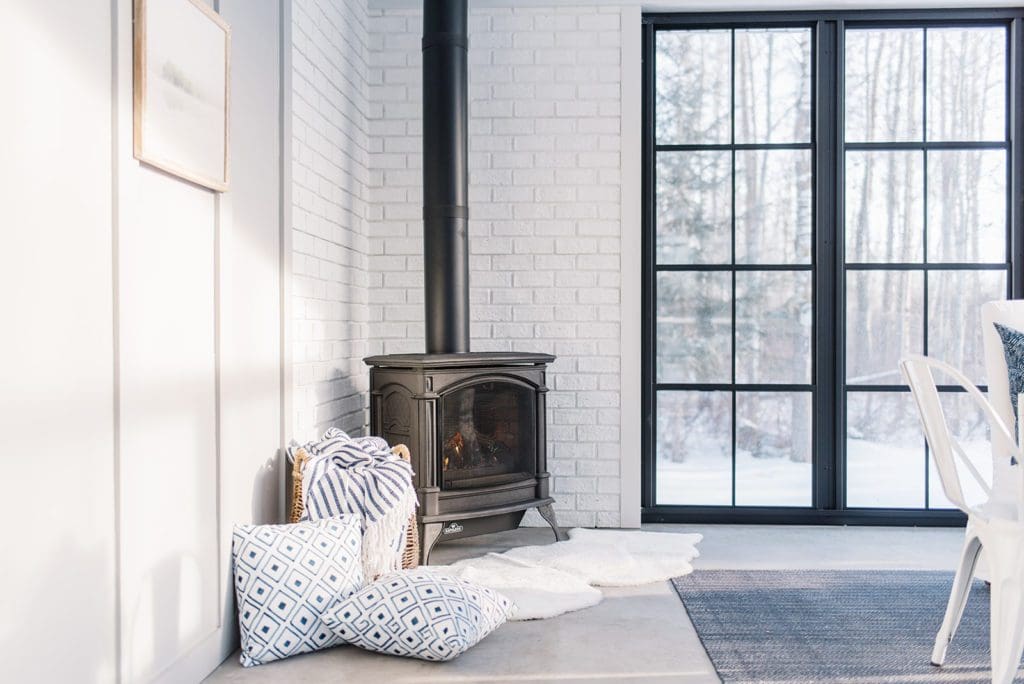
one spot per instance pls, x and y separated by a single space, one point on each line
878 476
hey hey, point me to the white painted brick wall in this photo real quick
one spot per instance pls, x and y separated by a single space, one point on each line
545 207
330 245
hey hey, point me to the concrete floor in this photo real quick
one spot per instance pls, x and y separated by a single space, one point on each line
637 634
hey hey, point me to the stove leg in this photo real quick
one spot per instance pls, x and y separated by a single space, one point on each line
428 537
548 513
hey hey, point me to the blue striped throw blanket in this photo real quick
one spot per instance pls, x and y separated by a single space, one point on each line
360 476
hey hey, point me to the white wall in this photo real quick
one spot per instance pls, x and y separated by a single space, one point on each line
199 359
554 220
249 270
547 126
329 208
57 606
144 382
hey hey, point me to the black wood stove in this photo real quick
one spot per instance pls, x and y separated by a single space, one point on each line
474 421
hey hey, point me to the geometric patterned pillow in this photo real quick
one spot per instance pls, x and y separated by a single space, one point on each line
1013 351
419 614
285 577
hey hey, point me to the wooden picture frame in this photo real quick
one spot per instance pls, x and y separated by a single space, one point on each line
181 80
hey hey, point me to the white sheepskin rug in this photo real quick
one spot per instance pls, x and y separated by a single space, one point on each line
552 579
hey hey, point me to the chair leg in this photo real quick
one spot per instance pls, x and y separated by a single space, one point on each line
1006 607
957 598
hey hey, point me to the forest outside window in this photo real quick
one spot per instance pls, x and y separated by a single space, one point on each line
925 238
825 193
733 258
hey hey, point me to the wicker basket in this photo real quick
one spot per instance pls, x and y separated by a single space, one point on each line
411 553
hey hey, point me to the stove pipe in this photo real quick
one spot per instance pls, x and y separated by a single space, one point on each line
445 175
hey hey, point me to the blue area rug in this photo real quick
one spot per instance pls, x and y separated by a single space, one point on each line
849 627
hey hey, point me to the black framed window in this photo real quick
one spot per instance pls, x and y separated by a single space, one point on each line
926 236
823 192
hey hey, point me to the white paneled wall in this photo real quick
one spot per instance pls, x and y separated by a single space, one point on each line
199 358
141 390
329 210
144 363
168 429
249 299
57 606
545 217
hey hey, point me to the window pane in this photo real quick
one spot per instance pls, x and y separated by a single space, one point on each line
694 327
884 206
954 317
884 451
773 85
694 448
694 207
773 326
884 78
693 86
967 206
884 321
773 206
967 83
773 449
967 424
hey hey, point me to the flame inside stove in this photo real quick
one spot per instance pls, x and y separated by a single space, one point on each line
453 449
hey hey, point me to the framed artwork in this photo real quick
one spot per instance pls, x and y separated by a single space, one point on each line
181 66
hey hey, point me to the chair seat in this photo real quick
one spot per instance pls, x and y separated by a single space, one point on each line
999 510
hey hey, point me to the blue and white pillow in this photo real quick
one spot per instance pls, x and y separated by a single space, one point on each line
1013 351
286 576
419 614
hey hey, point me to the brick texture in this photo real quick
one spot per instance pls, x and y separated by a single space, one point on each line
544 214
330 188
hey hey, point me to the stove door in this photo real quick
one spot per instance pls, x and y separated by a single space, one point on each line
488 434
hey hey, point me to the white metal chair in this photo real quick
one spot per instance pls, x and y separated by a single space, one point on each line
997 526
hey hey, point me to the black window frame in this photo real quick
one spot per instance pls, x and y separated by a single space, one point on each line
828 264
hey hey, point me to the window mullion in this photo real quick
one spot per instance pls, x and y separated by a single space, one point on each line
1015 121
827 361
648 337
732 229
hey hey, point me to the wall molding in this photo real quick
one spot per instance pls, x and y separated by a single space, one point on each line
285 242
115 214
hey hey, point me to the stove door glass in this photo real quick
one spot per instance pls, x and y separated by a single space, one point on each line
488 435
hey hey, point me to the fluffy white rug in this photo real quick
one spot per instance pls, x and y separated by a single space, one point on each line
552 579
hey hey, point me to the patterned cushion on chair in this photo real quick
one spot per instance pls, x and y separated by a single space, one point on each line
419 614
1013 349
286 576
